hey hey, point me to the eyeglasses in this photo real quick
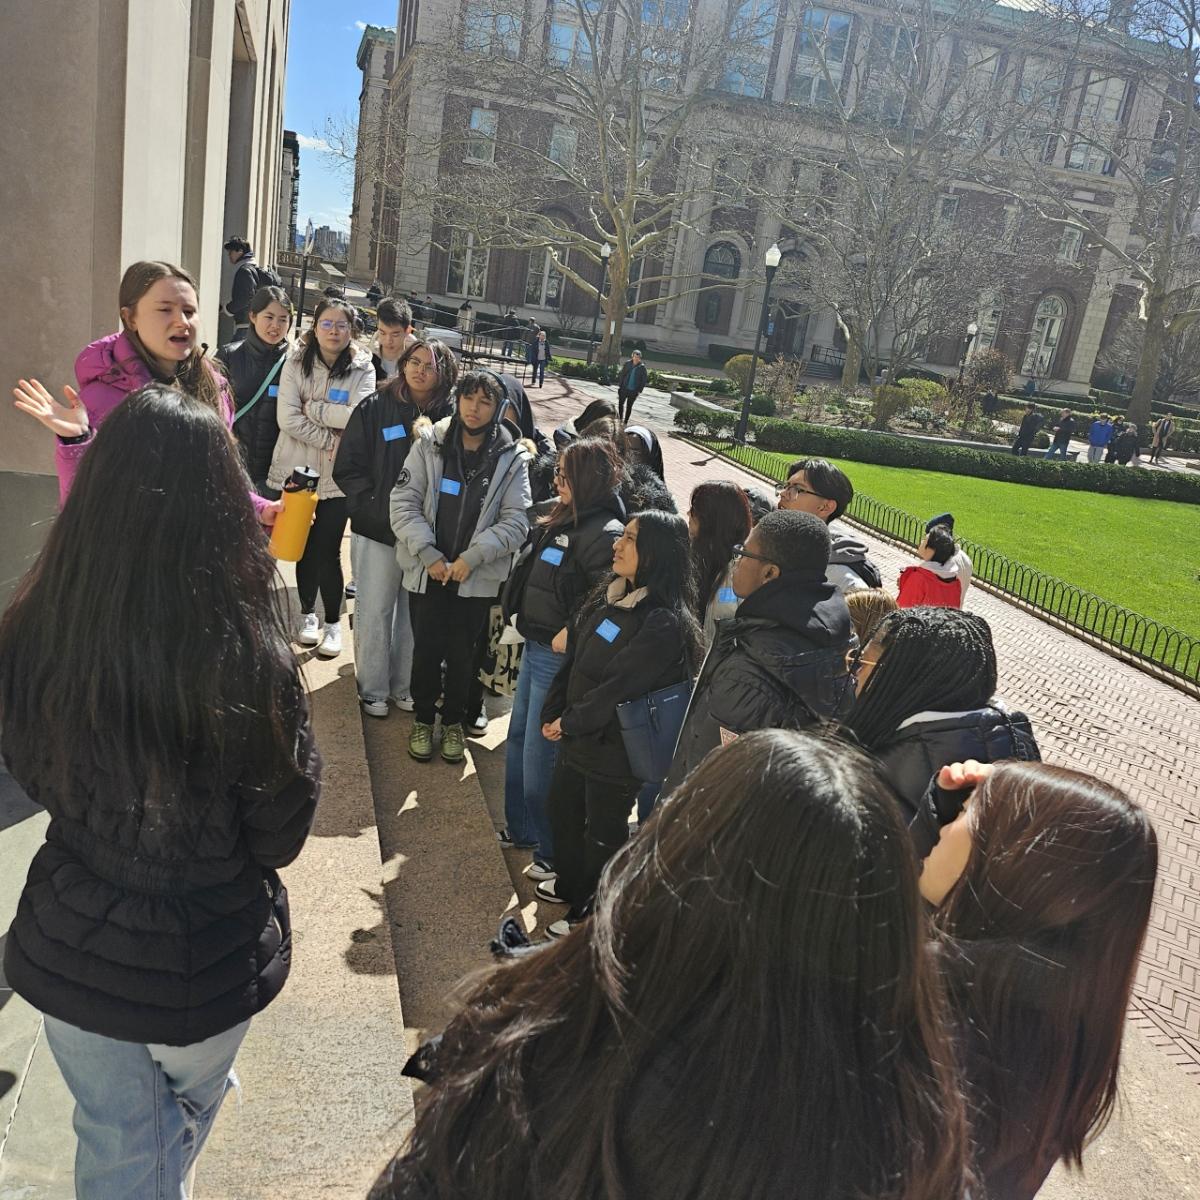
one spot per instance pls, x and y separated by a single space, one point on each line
740 551
855 662
795 489
339 326
423 368
560 475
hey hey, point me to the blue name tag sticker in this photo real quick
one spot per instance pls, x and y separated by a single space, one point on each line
273 390
727 596
553 555
393 433
339 396
608 630
450 487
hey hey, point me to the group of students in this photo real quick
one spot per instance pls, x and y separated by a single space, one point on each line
1109 440
843 950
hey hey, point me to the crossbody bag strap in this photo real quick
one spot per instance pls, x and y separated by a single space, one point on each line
266 383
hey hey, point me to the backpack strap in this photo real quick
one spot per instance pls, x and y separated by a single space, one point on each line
241 412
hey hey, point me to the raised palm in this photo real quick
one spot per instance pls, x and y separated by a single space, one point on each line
67 420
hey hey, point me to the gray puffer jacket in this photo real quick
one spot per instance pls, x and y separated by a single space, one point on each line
499 533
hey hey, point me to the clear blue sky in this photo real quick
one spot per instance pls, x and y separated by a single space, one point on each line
322 82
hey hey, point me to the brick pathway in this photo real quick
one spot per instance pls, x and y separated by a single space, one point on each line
1090 711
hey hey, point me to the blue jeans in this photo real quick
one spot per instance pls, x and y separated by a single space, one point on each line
529 758
1056 448
647 798
142 1111
383 640
539 372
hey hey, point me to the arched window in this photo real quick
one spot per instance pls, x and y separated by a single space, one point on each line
1047 332
723 261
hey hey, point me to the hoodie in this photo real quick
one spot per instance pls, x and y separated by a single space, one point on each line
849 567
933 584
779 663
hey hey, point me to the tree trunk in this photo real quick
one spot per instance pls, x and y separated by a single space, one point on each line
1149 364
613 310
853 364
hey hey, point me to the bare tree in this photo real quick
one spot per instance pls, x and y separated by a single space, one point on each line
1178 372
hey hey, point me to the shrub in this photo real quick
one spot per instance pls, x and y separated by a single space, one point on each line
829 441
762 405
925 393
989 370
722 354
738 370
887 404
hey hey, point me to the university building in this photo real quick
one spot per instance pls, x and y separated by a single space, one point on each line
1071 299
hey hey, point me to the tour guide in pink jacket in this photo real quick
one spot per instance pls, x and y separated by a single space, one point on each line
107 371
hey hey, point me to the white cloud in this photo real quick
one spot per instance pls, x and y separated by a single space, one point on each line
360 25
312 143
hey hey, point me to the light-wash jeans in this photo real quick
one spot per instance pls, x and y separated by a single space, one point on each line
1096 454
529 758
383 639
142 1112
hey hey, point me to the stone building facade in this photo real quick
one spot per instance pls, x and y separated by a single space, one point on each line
1053 332
376 59
289 194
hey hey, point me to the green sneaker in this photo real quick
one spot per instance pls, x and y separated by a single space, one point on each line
454 748
420 741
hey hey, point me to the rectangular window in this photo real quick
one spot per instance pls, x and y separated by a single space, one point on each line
481 140
892 65
467 265
1070 244
661 34
573 31
990 312
731 181
947 209
1099 120
752 35
544 280
563 142
489 30
821 47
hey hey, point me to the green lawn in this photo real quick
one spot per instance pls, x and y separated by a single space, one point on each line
1142 554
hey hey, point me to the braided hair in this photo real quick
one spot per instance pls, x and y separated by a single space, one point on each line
939 659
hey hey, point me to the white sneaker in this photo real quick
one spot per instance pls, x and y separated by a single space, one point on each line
310 630
374 708
539 871
560 928
404 703
331 643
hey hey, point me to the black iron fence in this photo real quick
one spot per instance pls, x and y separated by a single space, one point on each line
1171 650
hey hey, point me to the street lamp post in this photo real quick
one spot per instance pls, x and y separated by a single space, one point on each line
605 255
968 341
771 261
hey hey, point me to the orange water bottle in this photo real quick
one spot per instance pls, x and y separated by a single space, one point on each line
289 535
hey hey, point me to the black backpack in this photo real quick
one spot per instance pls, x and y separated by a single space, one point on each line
867 571
266 277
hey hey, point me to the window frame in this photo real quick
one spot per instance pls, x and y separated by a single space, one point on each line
1036 361
819 62
557 129
470 255
483 34
548 272
477 135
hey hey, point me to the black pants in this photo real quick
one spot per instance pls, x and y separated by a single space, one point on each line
320 570
1020 447
446 628
590 821
625 404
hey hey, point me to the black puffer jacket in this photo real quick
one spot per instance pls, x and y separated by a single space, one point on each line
627 647
371 455
161 921
929 741
246 364
559 567
780 663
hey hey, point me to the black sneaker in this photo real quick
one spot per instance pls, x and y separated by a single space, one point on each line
505 839
547 892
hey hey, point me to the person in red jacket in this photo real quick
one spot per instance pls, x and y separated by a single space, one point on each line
935 582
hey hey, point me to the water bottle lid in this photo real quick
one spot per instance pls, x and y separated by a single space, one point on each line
303 479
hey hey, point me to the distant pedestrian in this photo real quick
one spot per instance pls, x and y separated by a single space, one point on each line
371 454
1031 388
466 318
510 331
1031 422
151 704
247 279
1100 433
538 355
459 513
934 581
780 661
1063 429
630 382
252 365
1127 445
1163 428
393 337
374 294
321 384
1043 881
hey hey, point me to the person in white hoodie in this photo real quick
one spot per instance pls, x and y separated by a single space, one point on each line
965 568
818 487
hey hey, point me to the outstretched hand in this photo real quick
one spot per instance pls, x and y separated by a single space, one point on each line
67 421
961 775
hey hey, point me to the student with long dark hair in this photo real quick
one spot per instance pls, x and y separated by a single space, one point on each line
158 715
1043 885
321 384
372 453
569 552
763 933
926 685
636 636
252 364
459 513
159 341
718 520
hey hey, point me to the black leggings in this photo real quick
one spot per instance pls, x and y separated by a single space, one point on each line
320 570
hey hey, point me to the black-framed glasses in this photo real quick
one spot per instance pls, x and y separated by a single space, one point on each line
796 489
740 551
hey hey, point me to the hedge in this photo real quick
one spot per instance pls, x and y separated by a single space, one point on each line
572 368
1184 440
829 441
